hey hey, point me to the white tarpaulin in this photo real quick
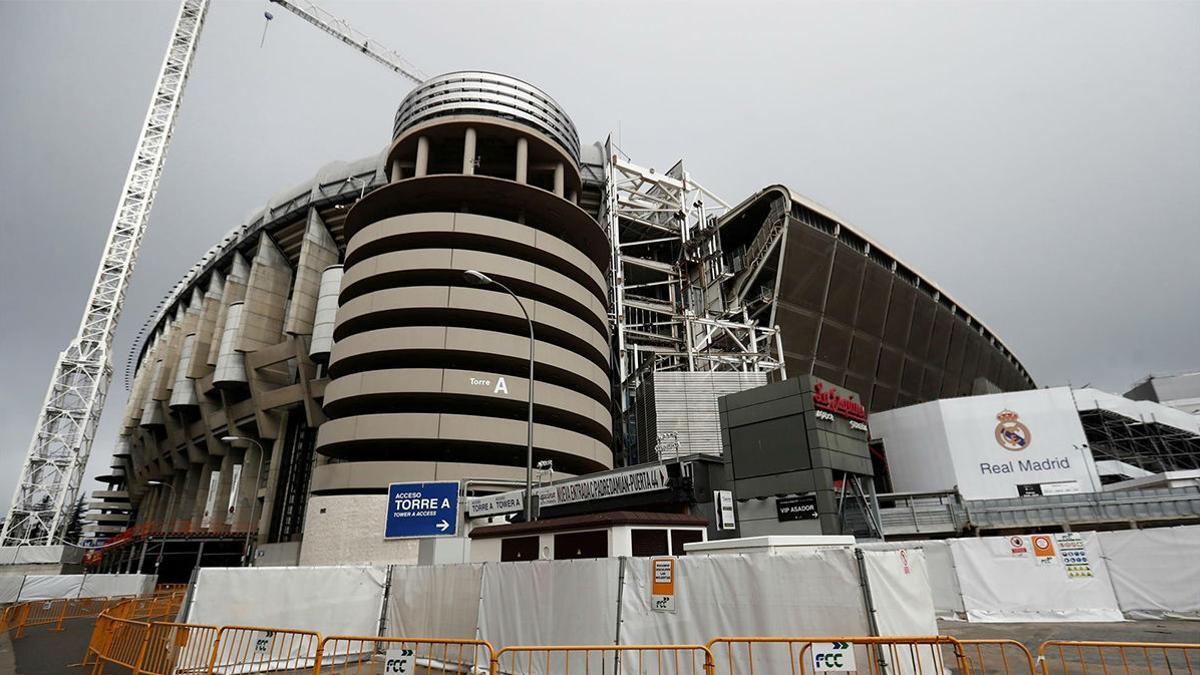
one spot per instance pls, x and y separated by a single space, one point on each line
558 602
1155 572
51 586
31 555
328 600
107 585
804 593
943 580
900 592
435 601
1000 583
903 605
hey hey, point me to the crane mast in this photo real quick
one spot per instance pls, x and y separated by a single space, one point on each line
62 440
66 426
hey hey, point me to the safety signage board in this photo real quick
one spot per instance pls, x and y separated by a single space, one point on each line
398 662
662 586
1017 545
1043 548
422 510
1074 555
838 656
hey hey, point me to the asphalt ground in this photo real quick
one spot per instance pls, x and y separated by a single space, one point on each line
44 651
1076 660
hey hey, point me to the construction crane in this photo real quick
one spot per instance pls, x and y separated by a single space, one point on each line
45 495
346 33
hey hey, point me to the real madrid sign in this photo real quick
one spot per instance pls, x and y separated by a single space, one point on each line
1011 433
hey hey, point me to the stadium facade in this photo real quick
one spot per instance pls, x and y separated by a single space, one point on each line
335 335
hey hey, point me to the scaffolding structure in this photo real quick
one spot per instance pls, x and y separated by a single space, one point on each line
1148 445
668 310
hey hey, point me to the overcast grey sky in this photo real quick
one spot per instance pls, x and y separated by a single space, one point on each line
1039 161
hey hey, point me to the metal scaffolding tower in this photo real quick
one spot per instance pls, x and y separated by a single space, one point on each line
62 440
668 308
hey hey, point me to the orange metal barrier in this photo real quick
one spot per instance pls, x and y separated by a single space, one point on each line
177 648
256 649
1118 658
123 644
1008 657
587 659
917 655
44 612
360 655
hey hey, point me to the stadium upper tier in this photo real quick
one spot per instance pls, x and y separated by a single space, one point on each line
336 329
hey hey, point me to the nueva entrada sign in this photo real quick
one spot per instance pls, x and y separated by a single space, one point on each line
615 484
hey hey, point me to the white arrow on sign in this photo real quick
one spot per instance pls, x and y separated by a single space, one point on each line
443 525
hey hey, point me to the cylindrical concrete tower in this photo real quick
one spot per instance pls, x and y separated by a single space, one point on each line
427 371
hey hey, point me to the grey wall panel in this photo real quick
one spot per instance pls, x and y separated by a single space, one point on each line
325 316
231 364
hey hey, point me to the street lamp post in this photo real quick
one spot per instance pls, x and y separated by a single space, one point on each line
254 496
481 279
170 508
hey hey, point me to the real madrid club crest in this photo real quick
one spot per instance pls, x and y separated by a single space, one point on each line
1011 433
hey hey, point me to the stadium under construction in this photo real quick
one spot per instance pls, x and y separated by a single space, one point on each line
333 344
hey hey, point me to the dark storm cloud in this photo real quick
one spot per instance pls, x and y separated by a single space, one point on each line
1039 161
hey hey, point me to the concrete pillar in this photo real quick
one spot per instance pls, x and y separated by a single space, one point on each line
248 488
187 500
469 152
221 503
147 507
422 167
573 197
395 174
267 509
522 160
559 179
206 470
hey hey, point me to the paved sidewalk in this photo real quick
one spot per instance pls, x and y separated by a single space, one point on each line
7 665
1034 634
44 651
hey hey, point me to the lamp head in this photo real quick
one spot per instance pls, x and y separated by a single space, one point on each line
232 439
477 278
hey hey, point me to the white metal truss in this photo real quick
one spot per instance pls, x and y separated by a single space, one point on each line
66 426
667 307
350 35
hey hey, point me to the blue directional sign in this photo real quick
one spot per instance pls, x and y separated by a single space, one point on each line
422 510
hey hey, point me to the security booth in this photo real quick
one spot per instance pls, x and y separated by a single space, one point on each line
646 509
797 461
594 535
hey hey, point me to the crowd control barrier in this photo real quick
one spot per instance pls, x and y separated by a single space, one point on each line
361 655
176 648
918 655
261 649
598 659
127 636
121 644
999 657
1118 658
